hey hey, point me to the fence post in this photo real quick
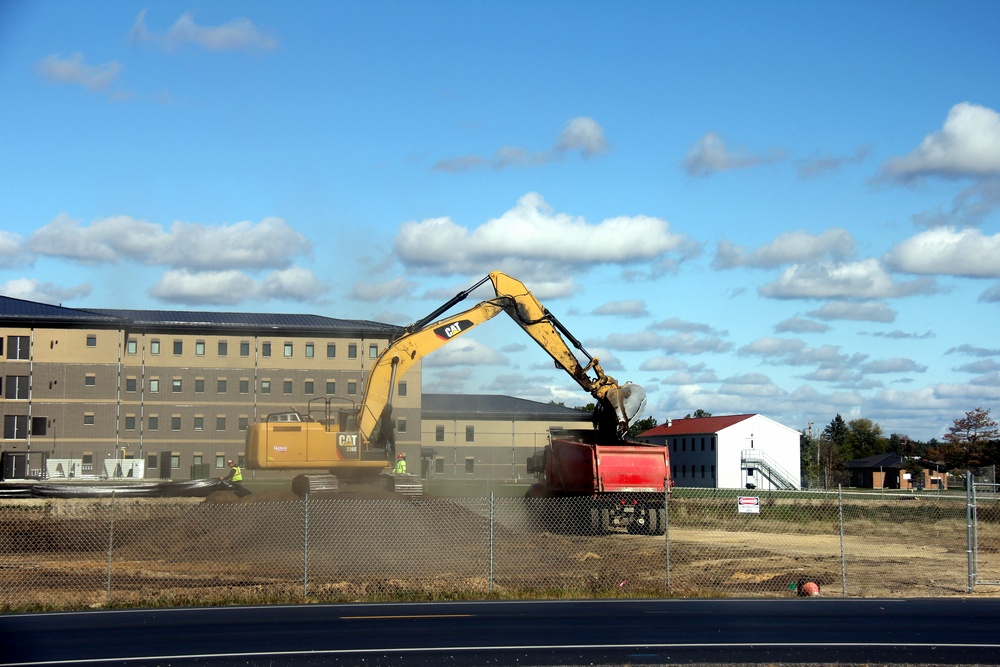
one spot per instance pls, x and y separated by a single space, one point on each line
843 554
111 541
969 513
492 518
305 545
666 527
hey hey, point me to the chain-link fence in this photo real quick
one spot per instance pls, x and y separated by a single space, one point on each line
75 553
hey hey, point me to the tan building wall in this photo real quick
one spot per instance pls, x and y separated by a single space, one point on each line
184 398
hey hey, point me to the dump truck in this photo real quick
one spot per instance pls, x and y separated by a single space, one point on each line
619 484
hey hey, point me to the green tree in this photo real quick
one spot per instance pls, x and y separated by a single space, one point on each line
698 414
966 444
637 427
832 445
863 438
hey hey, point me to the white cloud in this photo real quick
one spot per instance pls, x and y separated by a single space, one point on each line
232 287
238 35
30 289
820 166
677 324
865 279
243 245
894 365
462 353
662 364
391 289
794 352
871 311
533 239
968 145
75 70
710 155
948 251
627 308
800 325
584 135
12 251
789 248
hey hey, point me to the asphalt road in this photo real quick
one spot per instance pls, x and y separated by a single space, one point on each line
579 632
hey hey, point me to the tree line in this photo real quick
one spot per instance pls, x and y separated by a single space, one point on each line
972 441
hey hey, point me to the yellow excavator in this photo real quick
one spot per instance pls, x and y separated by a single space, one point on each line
358 443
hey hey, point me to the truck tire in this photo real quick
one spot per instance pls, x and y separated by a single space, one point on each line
652 523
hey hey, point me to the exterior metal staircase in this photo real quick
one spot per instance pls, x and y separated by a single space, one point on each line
779 477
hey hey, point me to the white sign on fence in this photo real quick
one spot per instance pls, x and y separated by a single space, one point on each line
749 505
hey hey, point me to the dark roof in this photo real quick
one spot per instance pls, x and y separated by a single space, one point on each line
20 310
495 406
146 319
891 461
694 426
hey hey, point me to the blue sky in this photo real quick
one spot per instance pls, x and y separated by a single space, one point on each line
778 207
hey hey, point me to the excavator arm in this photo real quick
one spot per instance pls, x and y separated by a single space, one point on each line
616 405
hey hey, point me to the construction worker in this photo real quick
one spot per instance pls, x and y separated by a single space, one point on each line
235 474
400 468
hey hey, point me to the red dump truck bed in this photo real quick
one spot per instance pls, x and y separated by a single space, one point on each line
576 466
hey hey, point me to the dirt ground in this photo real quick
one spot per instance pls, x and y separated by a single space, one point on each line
275 547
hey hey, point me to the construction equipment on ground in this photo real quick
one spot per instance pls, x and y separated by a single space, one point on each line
358 443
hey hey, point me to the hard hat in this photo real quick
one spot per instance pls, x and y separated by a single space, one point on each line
230 460
401 456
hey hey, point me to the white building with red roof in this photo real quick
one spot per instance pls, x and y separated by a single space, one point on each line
730 452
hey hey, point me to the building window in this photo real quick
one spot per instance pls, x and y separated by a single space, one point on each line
352 351
220 386
91 341
331 387
352 387
310 387
310 350
220 423
129 422
684 444
244 423
674 472
713 443
17 387
470 433
223 348
197 459
265 349
244 348
199 385
90 380
220 460
674 442
713 472
176 385
175 423
199 423
18 347
154 385
151 462
401 391
373 351
131 384
684 470
470 465
88 419
15 427
289 349
199 348
153 422
178 347
439 434
175 461
331 350
265 386
154 346
132 346
401 425
703 446
286 387
703 472
244 386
